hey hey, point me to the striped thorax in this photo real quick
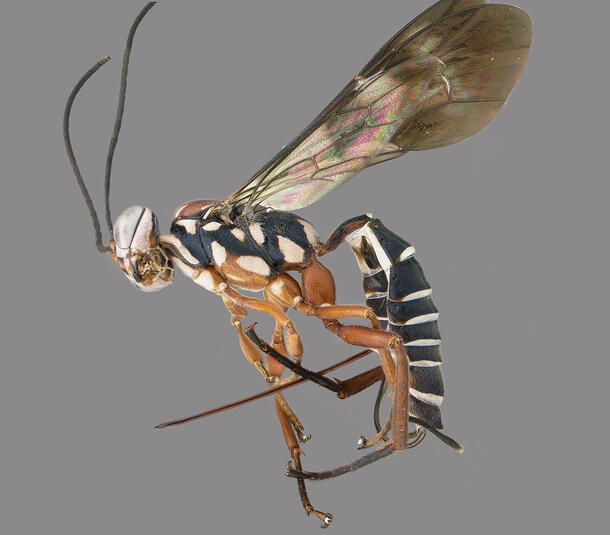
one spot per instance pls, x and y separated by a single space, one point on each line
248 252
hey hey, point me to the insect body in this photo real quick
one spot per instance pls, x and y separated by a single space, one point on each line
440 79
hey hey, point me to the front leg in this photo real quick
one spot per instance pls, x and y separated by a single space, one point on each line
238 306
292 428
293 340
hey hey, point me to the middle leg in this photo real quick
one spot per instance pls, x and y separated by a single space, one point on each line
292 429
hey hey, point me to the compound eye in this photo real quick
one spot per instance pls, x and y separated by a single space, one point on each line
135 229
137 251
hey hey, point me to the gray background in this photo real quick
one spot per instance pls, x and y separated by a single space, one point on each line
510 226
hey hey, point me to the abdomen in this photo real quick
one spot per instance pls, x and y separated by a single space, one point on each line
400 295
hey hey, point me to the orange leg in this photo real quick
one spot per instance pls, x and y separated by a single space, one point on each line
284 292
318 299
292 428
271 373
295 453
233 298
237 305
276 370
278 337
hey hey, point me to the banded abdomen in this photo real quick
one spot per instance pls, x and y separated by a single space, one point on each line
399 293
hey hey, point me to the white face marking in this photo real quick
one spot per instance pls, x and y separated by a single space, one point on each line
239 234
214 225
254 264
310 232
430 399
219 253
177 244
414 295
205 280
257 233
188 224
293 253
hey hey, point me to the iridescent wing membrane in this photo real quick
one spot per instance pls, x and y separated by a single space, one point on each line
439 80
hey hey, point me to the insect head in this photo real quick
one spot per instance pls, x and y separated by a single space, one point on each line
135 248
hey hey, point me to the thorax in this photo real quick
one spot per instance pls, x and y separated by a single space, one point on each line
248 251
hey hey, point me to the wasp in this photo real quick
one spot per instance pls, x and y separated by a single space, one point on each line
441 79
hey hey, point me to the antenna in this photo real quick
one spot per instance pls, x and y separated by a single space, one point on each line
113 140
120 109
79 177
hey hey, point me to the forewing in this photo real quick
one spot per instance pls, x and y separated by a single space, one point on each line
484 58
390 53
439 80
345 144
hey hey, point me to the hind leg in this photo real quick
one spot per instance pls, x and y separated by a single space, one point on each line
318 299
295 454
